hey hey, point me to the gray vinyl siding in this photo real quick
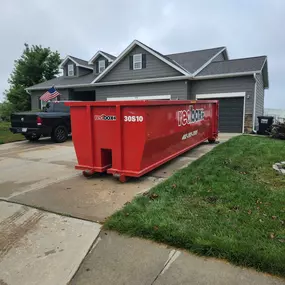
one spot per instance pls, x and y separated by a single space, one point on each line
100 57
154 68
219 57
177 90
83 71
227 85
35 97
65 69
259 104
189 95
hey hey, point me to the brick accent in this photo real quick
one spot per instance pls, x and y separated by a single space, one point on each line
248 123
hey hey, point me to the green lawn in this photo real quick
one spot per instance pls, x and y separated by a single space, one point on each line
229 204
5 134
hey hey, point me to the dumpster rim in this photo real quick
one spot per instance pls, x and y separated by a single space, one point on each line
138 103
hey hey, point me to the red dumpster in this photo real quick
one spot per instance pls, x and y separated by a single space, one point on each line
131 138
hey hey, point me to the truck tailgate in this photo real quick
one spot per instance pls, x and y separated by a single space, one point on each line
24 120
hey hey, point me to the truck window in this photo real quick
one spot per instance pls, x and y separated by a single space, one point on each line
60 107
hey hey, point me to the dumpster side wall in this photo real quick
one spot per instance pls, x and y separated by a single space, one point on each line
35 97
259 98
177 90
154 68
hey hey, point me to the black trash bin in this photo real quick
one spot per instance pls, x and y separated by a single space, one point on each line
264 122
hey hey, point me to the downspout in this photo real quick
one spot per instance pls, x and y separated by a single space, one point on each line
254 103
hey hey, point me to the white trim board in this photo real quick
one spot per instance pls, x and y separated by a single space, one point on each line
220 95
74 61
201 77
254 102
133 98
226 95
96 55
128 49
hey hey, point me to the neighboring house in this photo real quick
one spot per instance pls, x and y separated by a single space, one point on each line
141 72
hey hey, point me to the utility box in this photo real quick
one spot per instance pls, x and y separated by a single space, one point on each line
131 138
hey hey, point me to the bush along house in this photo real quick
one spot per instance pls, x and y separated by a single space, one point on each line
141 72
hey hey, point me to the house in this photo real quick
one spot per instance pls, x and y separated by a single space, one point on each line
142 72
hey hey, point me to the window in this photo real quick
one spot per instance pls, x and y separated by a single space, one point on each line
70 70
137 61
102 65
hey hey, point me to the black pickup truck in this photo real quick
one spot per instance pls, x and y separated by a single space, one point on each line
53 122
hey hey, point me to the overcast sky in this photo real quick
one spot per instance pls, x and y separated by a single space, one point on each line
246 27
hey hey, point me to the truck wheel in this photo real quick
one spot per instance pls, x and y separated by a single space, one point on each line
59 134
32 138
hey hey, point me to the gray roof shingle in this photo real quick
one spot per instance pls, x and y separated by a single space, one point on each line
234 66
81 61
109 55
193 60
62 81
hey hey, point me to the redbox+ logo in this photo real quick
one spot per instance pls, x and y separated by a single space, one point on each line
189 116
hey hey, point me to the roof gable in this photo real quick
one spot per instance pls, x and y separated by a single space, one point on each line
148 49
77 61
193 61
106 55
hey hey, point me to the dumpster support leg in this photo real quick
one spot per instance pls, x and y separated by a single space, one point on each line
123 178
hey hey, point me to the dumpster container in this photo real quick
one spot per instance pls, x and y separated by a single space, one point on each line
131 138
264 123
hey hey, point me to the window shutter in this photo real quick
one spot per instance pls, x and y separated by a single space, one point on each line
106 63
131 62
97 66
143 60
39 106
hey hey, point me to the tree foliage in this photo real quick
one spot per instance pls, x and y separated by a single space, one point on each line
6 109
37 64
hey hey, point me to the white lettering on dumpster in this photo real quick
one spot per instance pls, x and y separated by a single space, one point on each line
104 117
189 116
189 135
133 118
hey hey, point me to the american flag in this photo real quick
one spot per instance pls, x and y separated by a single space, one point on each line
49 95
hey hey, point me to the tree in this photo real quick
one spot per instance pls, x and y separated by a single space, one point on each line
37 64
6 109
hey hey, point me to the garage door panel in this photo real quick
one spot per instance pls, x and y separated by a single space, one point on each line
230 114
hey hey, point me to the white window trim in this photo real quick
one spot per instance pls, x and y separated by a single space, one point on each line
43 104
69 70
137 58
134 98
226 95
100 66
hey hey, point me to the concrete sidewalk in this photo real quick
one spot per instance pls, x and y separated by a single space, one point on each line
37 247
118 260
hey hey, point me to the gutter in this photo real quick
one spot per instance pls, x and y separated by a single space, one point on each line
149 80
254 103
58 87
226 75
125 82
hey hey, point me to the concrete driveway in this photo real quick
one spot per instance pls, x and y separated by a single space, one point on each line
50 215
42 175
